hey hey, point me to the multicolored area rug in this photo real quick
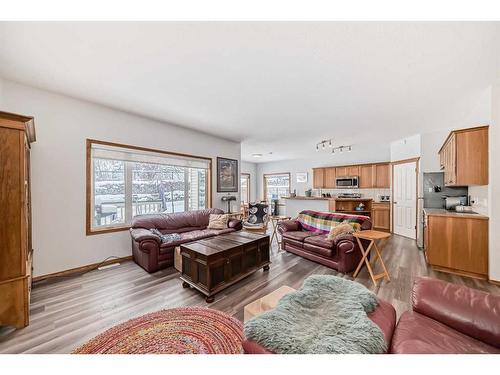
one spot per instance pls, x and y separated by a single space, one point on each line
185 330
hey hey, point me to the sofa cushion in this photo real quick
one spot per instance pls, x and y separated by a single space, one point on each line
320 240
172 223
323 251
218 221
418 334
299 235
194 236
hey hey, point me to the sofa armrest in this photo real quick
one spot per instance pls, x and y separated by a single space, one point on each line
289 226
236 224
343 240
141 234
469 311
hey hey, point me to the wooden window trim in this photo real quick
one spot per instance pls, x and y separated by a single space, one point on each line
275 174
248 187
88 204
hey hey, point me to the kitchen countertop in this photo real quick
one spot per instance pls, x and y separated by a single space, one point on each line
443 212
299 197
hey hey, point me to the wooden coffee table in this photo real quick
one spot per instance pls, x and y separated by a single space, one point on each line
216 263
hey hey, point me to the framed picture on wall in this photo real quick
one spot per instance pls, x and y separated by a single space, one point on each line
227 175
301 177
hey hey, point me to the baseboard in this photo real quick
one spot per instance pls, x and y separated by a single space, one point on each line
494 282
460 273
86 268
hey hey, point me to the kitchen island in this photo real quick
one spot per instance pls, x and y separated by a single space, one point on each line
294 205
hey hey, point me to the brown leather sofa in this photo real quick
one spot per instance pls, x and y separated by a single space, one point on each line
147 248
448 318
342 253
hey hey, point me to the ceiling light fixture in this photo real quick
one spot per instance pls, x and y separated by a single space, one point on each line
329 142
257 155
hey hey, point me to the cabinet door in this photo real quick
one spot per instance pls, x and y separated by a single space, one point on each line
366 174
382 175
330 178
381 217
353 170
318 178
341 171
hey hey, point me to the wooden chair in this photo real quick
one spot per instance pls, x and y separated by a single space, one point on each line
257 219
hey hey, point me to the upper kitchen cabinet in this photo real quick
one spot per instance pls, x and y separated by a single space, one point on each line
330 178
318 178
353 170
366 176
464 157
341 171
382 175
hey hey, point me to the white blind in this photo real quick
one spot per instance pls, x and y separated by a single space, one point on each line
139 156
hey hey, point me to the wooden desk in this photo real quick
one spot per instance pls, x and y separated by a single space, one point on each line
373 236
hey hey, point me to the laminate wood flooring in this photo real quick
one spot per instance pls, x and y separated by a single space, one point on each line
66 312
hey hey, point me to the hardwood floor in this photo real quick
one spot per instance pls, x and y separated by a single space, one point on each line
68 311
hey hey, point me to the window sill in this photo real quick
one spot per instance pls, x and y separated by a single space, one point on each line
91 232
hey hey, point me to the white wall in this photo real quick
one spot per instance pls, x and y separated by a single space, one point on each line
58 170
406 148
430 143
251 168
367 153
494 196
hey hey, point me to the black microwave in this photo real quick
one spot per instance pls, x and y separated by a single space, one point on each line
347 182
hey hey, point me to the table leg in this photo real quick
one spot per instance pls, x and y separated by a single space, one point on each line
366 260
273 223
365 254
377 251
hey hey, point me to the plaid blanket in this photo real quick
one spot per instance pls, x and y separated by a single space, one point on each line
322 222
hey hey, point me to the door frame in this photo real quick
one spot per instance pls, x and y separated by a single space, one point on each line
249 176
417 169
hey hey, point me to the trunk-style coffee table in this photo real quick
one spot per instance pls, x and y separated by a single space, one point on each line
216 263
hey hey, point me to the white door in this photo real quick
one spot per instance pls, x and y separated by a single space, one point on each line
405 199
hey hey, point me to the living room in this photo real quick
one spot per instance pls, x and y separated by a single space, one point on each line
321 187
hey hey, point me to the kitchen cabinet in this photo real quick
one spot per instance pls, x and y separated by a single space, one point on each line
382 175
341 171
464 157
318 178
366 174
381 216
353 170
330 178
376 175
457 243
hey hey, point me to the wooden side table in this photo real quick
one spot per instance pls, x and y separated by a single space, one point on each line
274 221
373 236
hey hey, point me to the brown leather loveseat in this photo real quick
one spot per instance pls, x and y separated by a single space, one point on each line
311 242
147 248
448 319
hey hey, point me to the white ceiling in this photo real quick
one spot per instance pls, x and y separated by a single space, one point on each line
277 87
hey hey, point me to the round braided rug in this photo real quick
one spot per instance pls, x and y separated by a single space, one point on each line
184 330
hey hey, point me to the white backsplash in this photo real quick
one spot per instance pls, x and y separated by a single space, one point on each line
365 193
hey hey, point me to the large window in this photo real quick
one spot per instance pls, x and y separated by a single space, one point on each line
276 186
125 181
245 188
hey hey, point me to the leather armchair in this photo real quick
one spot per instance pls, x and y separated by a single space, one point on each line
448 318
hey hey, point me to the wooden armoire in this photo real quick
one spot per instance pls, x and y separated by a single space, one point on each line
17 132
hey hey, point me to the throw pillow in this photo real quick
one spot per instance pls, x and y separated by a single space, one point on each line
216 221
337 230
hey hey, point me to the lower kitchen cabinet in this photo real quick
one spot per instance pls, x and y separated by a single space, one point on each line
381 216
457 244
